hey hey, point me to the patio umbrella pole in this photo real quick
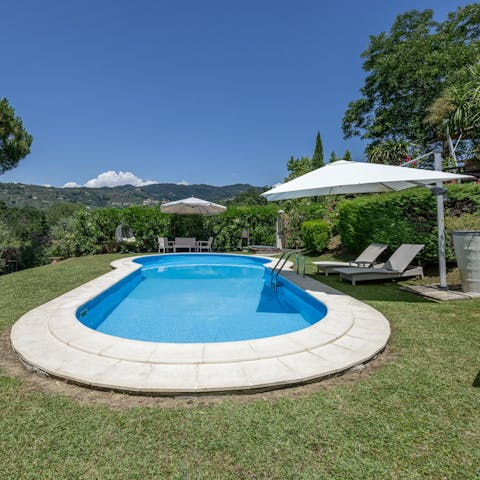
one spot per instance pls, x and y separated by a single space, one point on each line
439 191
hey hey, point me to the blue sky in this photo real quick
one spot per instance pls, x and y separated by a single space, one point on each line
214 92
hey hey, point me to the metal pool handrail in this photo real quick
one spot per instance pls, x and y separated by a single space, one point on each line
279 266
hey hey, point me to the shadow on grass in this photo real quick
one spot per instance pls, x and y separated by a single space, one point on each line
476 382
372 291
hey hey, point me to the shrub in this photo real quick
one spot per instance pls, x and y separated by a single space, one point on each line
259 220
403 217
316 234
469 221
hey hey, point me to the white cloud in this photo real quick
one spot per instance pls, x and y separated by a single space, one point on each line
113 179
46 185
183 182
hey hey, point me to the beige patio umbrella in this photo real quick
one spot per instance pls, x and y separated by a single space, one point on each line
192 206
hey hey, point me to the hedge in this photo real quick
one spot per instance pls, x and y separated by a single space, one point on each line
92 231
403 217
316 234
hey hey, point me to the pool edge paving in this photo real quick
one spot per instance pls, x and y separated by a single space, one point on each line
50 339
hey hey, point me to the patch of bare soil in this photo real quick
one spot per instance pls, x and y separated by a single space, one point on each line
11 365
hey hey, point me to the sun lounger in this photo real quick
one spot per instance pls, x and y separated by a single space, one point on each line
397 266
365 259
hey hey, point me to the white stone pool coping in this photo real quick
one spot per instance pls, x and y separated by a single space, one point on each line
50 339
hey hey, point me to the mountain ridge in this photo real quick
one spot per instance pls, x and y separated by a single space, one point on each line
20 194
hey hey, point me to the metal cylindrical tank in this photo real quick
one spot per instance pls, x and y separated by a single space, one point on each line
467 252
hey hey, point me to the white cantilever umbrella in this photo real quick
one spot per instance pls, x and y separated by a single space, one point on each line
345 177
192 206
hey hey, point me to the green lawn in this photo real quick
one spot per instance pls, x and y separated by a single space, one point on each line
417 416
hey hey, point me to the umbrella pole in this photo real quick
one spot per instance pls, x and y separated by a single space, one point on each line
442 263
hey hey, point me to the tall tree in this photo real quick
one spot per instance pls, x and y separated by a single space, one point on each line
298 167
407 69
333 157
15 141
317 159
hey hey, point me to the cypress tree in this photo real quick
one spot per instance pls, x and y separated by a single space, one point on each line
317 159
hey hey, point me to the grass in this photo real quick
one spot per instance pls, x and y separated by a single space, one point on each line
416 417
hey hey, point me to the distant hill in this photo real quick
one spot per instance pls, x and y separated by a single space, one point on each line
18 194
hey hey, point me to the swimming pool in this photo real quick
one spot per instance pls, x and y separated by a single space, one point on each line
51 339
200 298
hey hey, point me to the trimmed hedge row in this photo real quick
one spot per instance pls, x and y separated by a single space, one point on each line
404 217
92 231
316 234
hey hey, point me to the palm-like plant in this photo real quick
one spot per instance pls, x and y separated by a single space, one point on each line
459 106
391 152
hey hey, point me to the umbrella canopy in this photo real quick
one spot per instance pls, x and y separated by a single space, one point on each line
345 177
192 206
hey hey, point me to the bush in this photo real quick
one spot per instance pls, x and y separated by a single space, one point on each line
316 234
404 217
260 221
469 221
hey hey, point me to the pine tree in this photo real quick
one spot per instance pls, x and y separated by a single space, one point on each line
333 157
317 159
347 155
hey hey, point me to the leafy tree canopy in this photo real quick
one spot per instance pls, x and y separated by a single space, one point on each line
15 141
250 197
297 167
407 69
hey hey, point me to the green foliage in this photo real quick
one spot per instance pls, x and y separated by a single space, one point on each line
404 217
317 159
24 237
347 156
333 157
17 194
391 152
417 407
407 69
298 167
316 234
457 110
260 221
60 210
15 141
469 221
250 197
93 231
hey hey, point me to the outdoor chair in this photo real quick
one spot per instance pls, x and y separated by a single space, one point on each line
164 245
205 246
397 266
365 259
185 243
124 234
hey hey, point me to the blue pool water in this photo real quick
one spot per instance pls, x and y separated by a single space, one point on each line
200 298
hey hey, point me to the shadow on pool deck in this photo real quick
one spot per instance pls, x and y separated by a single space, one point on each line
371 291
